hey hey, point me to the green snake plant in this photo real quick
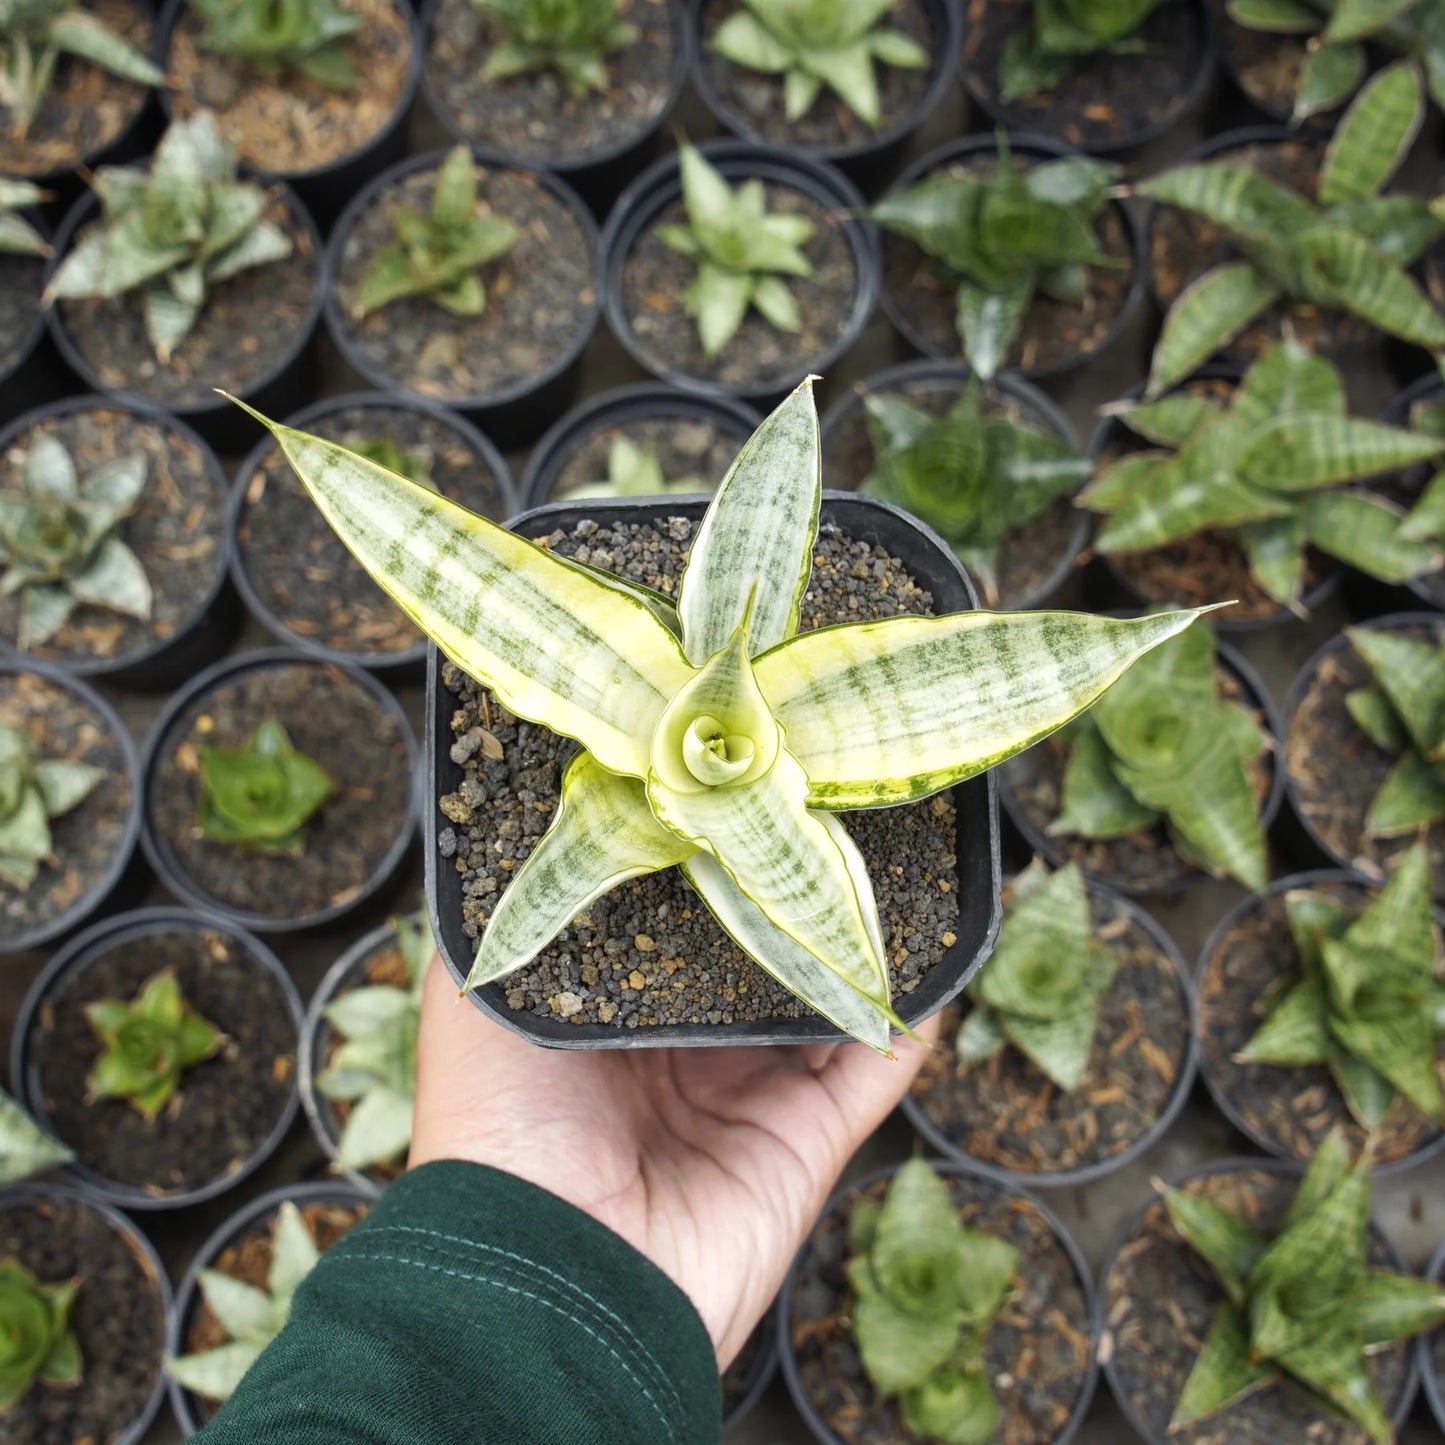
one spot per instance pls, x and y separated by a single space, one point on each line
298 37
17 236
60 543
1163 746
1426 521
37 1344
374 1069
926 1290
1347 249
818 43
742 253
975 481
1002 239
1040 55
1041 990
414 466
1269 468
172 233
33 790
1302 1302
715 737
571 38
634 471
260 797
1367 1001
251 1317
25 1148
35 34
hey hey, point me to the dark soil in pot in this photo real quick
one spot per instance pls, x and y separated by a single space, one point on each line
334 718
227 1111
1266 68
1033 561
300 578
86 109
249 329
1158 1302
744 1381
22 278
1144 862
1107 101
175 531
119 1317
534 117
284 123
649 953
1053 336
1039 1354
541 297
1288 1111
1007 1115
1335 770
92 842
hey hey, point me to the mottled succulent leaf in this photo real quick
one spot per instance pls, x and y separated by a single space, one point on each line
1329 76
1224 1372
1095 804
1225 1243
25 1148
1373 135
1363 532
1204 318
1296 1031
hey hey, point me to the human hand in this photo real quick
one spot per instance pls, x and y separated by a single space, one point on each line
713 1162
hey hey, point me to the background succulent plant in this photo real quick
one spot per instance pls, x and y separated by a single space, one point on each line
34 790
634 471
25 1148
261 796
573 38
1037 57
303 37
17 236
37 1345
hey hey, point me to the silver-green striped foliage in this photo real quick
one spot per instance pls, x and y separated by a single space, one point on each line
25 1148
300 37
17 236
1040 55
571 38
33 790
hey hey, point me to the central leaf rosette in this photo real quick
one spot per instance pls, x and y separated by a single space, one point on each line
715 736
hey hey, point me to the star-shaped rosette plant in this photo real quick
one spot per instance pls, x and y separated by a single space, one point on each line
716 737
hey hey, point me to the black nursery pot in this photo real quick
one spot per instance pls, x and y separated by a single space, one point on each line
941 1143
945 377
751 1382
984 147
372 705
977 848
482 483
1163 1330
192 1412
206 615
325 189
517 407
868 160
128 930
113 750
623 406
1291 1082
30 371
597 172
1432 1352
1233 42
1257 698
54 1203
290 377
787 1305
660 186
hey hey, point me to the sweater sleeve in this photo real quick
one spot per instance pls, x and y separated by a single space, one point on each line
471 1308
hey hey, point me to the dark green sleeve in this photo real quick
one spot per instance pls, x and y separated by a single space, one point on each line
471 1308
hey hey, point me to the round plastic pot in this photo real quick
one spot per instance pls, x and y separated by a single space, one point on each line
598 174
1036 147
977 850
209 624
1243 102
408 662
192 1412
79 954
957 374
91 901
760 1374
941 1144
1049 849
802 1402
1119 591
161 742
223 424
1300 684
511 415
1132 142
1212 945
316 1036
1103 1331
660 185
1429 1372
641 402
130 1432
868 163
36 375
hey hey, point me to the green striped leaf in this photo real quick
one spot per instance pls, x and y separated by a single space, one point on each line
1411 673
889 711
1205 317
1343 269
1402 227
1307 450
1224 1242
1279 17
554 642
1170 421
1234 197
1287 378
1223 1374
1328 1360
1275 549
1296 1031
1356 19
1373 135
1389 1307
1364 532
1113 485
604 833
1329 77
25 1148
1095 804
1411 797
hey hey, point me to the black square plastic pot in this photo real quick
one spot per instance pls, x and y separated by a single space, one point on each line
976 806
